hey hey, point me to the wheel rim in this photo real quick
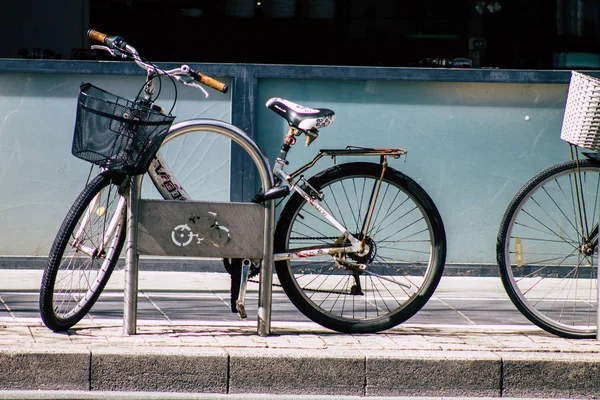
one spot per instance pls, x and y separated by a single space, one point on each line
403 249
80 275
551 264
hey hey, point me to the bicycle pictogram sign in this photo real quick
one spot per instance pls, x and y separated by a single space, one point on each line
206 228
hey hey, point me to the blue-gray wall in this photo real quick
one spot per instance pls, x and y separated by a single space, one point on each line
40 177
473 137
470 145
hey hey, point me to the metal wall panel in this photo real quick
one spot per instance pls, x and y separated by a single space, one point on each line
473 137
40 177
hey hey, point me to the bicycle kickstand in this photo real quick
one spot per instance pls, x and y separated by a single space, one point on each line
241 301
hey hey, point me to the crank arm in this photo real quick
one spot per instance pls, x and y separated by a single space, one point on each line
364 268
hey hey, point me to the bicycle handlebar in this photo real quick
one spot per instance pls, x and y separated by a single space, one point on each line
208 81
118 43
97 36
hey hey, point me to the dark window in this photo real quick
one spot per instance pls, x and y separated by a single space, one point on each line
527 34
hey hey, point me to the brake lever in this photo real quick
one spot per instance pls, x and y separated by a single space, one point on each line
113 52
189 81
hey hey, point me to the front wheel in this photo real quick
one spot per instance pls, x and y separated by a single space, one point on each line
547 249
406 242
84 253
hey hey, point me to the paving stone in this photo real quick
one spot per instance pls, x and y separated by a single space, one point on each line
414 342
295 342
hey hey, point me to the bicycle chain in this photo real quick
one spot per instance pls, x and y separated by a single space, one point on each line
316 238
305 289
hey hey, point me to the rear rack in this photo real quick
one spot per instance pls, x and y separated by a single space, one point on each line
350 151
363 151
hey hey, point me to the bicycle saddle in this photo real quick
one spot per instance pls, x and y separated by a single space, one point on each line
300 117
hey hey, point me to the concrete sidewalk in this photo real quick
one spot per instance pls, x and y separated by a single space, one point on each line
191 356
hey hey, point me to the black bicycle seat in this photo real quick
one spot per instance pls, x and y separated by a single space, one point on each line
300 117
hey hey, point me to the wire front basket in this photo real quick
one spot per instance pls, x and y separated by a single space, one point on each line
115 133
581 123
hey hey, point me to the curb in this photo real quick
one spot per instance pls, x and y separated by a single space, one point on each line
303 372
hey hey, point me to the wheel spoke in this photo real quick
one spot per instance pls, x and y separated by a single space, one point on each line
402 258
547 261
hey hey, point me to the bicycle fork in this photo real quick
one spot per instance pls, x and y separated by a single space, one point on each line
99 210
589 240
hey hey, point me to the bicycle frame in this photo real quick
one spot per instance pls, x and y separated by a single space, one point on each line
356 245
170 188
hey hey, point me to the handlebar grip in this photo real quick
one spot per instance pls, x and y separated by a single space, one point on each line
97 36
211 82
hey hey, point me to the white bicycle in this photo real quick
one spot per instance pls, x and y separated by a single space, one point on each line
358 247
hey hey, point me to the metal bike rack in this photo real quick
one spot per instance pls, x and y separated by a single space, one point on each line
150 226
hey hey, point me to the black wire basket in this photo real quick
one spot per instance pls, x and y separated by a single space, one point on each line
115 133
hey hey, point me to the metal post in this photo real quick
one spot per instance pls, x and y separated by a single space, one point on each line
132 259
266 275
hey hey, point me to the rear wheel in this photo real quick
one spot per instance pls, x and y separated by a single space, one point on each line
406 241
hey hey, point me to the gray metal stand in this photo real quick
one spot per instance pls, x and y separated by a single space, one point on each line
153 234
132 259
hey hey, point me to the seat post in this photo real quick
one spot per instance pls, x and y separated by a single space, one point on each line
288 142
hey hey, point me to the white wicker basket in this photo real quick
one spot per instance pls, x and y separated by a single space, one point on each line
581 123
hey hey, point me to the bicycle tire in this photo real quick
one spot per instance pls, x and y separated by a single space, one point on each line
547 263
72 280
416 259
